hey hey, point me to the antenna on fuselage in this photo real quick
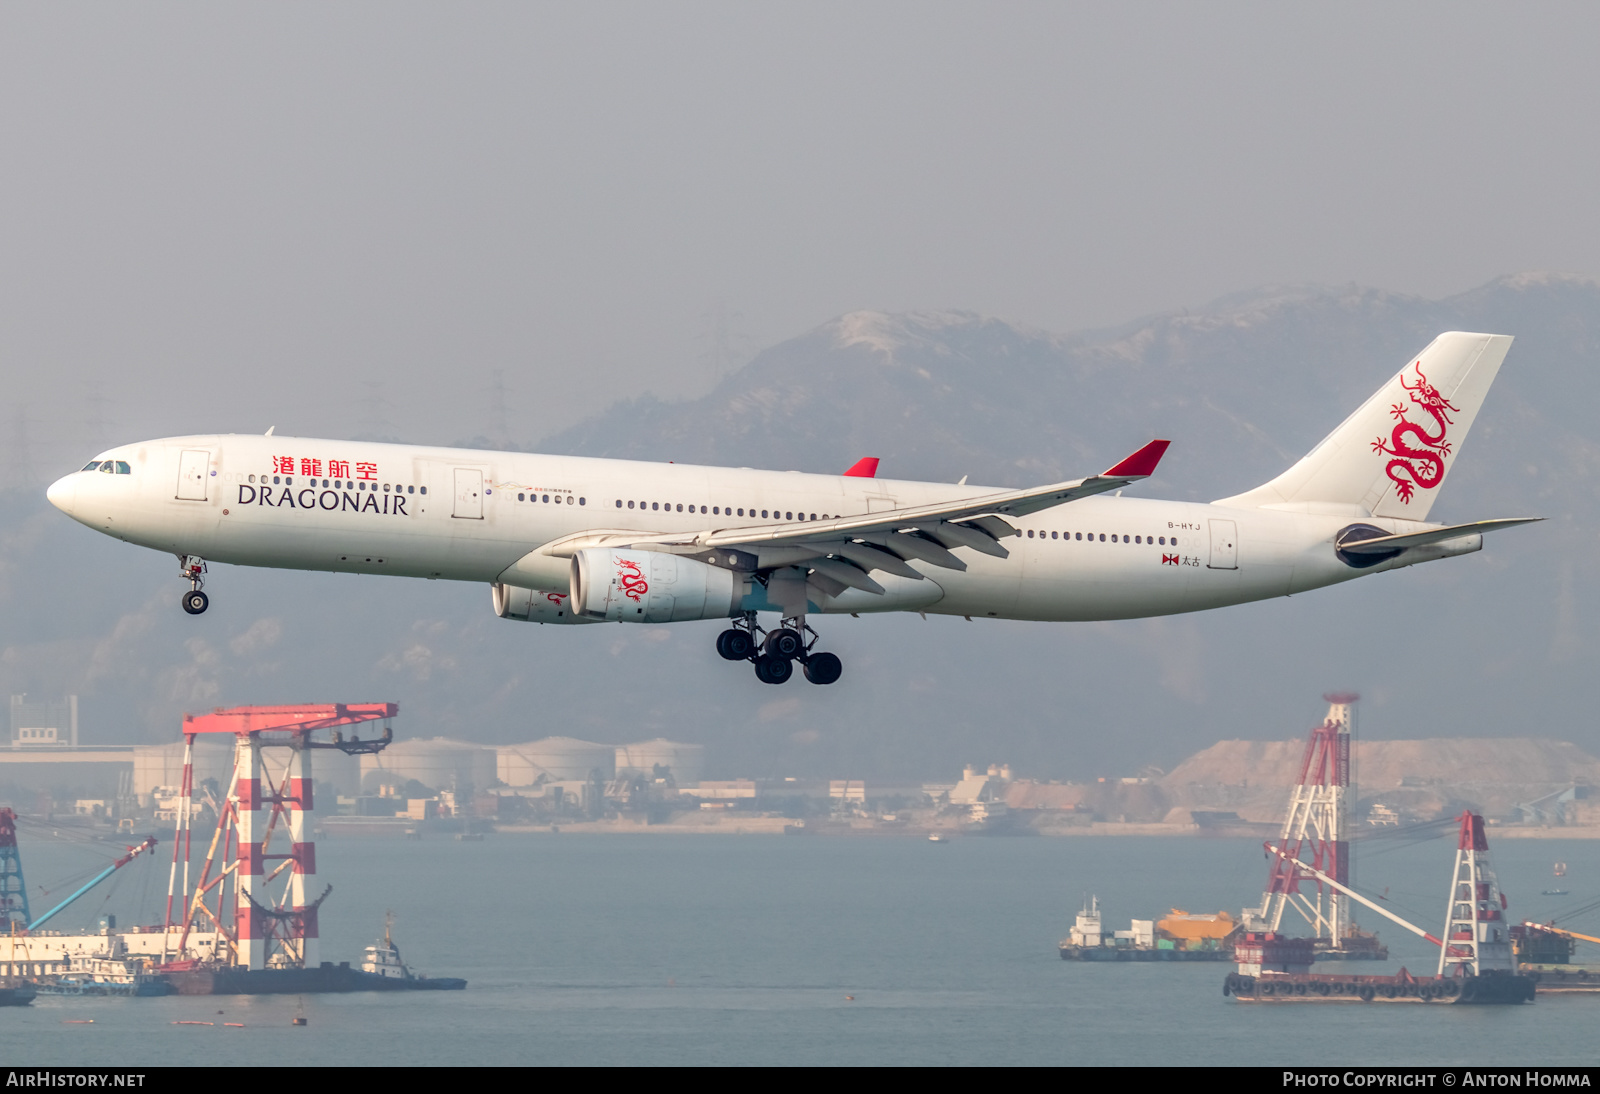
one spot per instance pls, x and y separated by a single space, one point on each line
270 428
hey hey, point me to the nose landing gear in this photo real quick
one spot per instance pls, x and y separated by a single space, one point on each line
193 569
773 653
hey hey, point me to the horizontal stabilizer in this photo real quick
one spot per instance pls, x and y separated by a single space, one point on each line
1383 545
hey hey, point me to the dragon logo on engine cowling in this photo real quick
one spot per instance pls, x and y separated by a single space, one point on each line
631 578
1419 454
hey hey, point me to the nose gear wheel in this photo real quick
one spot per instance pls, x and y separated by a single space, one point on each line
193 569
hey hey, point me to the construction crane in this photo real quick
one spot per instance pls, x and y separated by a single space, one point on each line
1316 834
1311 871
263 835
1476 939
1551 928
133 853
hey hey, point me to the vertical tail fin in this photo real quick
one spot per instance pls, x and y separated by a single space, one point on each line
1390 457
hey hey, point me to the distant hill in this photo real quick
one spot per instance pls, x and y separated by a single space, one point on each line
1494 773
1242 389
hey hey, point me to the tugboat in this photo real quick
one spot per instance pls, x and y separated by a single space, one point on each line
382 959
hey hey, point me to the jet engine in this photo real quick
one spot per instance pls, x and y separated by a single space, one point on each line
535 605
652 587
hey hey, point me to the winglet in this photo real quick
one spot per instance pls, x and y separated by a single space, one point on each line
1140 465
864 468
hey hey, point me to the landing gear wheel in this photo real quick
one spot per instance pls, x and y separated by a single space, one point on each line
735 645
195 602
774 670
823 668
785 644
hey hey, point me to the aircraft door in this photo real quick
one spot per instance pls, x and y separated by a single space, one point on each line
1224 546
469 494
194 468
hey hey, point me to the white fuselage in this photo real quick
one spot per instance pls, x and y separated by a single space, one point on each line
470 515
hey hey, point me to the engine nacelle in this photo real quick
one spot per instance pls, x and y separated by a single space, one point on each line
535 605
652 587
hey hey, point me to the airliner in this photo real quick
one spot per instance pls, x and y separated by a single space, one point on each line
574 541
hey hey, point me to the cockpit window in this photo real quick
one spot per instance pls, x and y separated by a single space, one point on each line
109 467
92 465
123 468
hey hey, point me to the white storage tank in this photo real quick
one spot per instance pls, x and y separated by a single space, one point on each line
437 762
557 759
686 762
342 772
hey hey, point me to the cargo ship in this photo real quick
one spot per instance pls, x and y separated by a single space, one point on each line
1179 937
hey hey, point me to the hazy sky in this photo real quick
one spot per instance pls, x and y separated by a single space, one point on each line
344 218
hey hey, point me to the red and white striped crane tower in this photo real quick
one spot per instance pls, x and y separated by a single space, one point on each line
1475 927
254 885
1316 832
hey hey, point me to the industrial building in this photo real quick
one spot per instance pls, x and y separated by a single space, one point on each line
47 724
44 770
43 755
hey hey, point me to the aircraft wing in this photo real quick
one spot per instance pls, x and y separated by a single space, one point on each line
929 518
842 551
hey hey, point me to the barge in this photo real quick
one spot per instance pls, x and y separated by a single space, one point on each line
1476 962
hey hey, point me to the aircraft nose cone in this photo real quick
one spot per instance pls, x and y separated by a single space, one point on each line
62 493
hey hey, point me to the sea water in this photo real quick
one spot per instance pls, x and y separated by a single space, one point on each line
653 949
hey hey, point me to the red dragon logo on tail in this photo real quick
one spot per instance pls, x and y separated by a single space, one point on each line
1419 454
631 578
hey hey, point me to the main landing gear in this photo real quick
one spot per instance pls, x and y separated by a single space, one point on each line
774 652
193 569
